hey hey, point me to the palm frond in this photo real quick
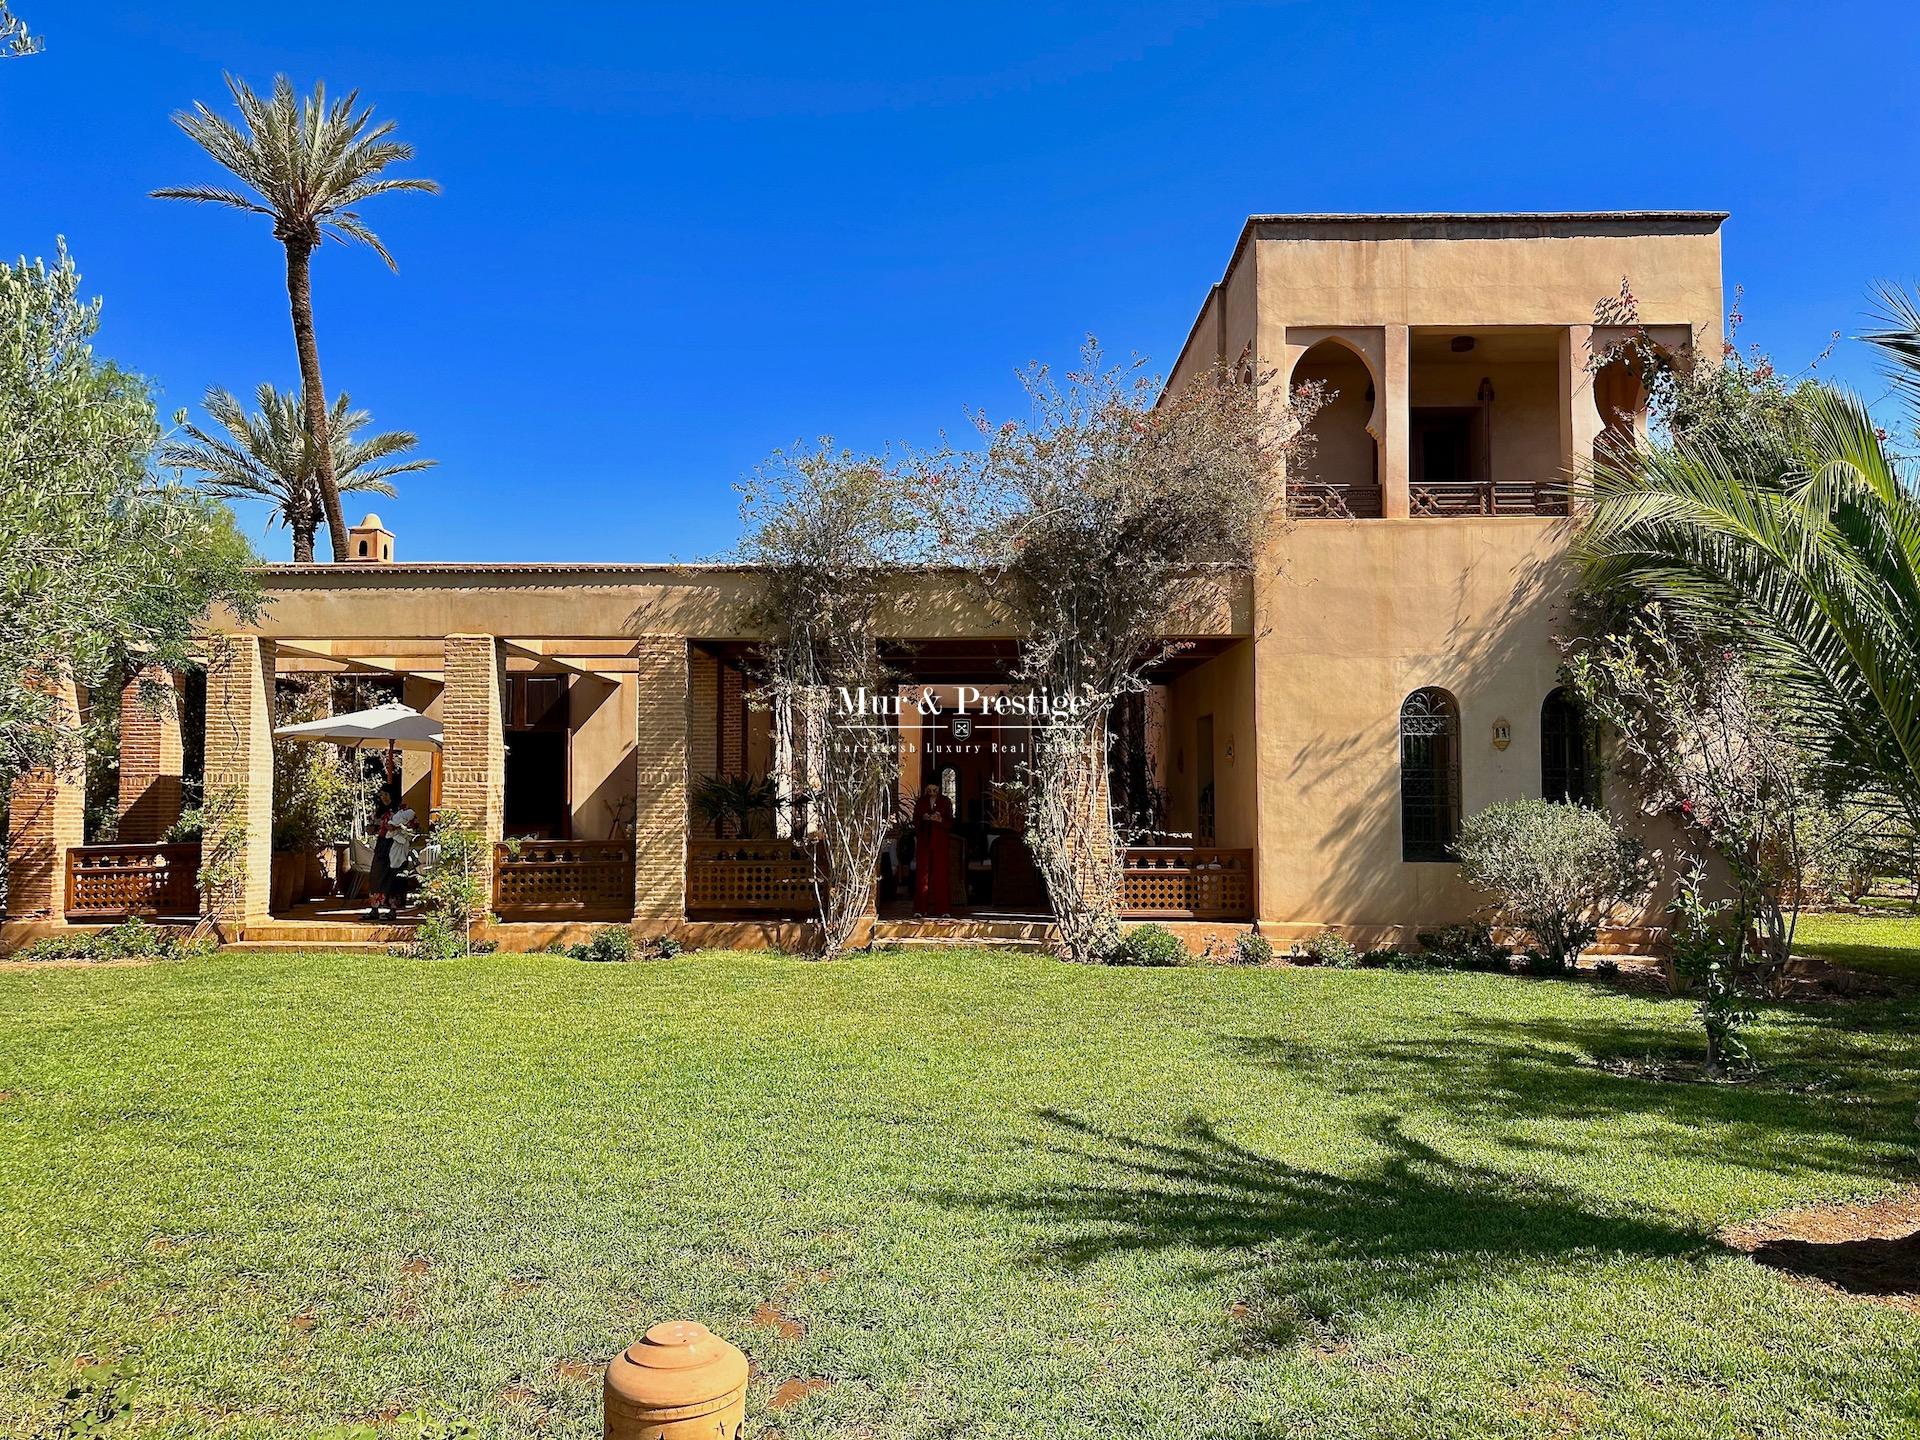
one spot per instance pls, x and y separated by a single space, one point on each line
1899 340
307 160
268 454
1808 555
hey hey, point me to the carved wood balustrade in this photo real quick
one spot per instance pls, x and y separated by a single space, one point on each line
761 877
562 879
1185 882
111 882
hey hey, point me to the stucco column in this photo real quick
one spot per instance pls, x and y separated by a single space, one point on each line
151 756
1396 439
473 745
1579 414
239 772
46 817
660 781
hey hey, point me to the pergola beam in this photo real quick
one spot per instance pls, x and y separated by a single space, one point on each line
543 660
355 664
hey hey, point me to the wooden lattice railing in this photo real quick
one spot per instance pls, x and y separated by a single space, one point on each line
560 878
1329 500
1486 497
1180 882
111 882
763 877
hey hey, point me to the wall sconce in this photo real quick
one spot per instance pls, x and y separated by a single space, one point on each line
1502 734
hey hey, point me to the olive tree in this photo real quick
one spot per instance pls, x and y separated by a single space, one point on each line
1555 871
827 528
1105 523
103 568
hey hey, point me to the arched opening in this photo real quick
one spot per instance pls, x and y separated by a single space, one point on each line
363 547
1429 775
1569 769
1620 394
1339 473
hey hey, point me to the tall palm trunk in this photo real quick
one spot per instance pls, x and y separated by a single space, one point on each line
314 397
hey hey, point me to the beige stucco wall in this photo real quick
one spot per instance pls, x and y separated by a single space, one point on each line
1517 271
1222 688
1364 613
600 710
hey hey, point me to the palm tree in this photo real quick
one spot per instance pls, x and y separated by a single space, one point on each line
308 163
269 456
1805 549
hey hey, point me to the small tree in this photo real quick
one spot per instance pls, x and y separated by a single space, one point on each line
1704 942
223 844
1555 871
453 888
1695 731
827 527
1105 523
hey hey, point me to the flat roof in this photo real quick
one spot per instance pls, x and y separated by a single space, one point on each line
1387 220
1403 217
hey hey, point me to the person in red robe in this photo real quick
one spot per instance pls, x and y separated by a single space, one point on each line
932 879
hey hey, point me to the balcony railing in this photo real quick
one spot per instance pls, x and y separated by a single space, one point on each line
563 879
1183 882
758 877
111 882
1318 500
774 877
1486 497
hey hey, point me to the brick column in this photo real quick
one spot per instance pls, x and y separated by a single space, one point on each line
660 781
240 774
473 748
46 817
151 760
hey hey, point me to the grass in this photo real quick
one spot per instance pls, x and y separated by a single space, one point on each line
1886 943
998 1196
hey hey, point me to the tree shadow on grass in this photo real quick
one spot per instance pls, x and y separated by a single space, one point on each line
1312 1252
1841 1103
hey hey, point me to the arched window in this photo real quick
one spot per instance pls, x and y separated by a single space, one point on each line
1568 773
1429 775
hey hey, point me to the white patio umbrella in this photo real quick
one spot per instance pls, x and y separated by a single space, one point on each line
388 727
392 726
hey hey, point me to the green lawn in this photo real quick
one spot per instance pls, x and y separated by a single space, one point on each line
1886 943
1001 1196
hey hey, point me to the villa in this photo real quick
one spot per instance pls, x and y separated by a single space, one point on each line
1302 760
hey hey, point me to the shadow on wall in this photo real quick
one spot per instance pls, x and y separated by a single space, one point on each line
1315 1250
1362 878
600 814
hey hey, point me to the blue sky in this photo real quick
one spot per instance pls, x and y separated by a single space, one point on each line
674 238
